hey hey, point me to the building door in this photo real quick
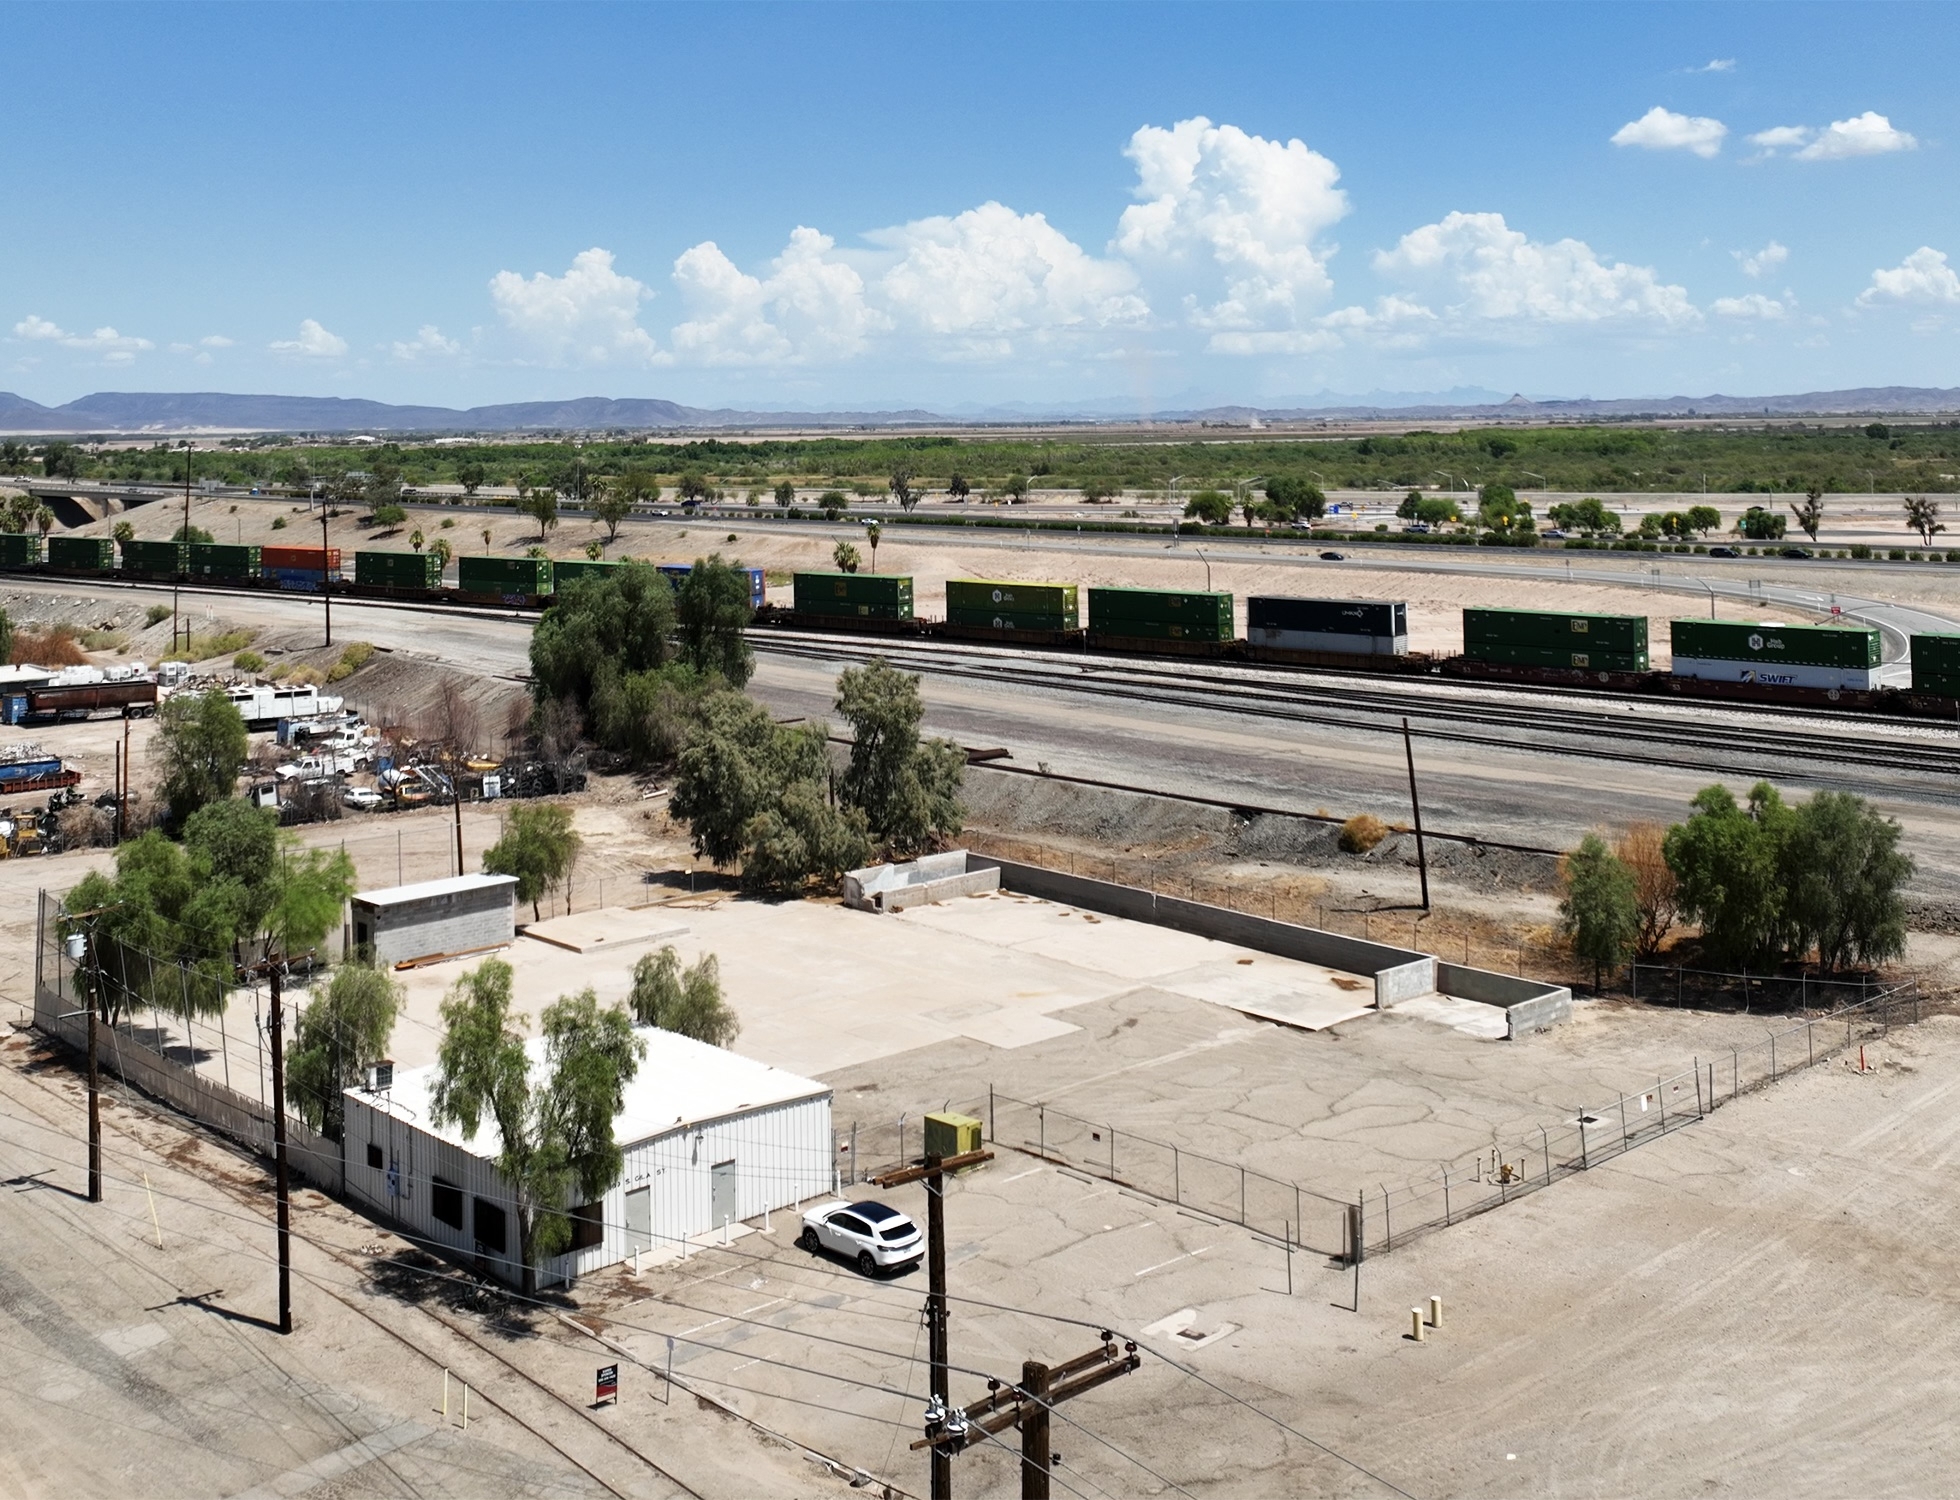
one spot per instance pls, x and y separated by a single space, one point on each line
639 1220
722 1178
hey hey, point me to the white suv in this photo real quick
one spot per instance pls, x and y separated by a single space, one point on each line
872 1236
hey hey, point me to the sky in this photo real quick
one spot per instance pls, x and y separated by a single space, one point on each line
825 206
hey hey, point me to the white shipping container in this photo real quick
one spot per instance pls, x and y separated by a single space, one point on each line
1781 675
1327 640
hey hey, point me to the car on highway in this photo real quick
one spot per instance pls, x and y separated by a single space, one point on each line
1333 557
1796 552
873 1236
361 798
1722 552
1552 534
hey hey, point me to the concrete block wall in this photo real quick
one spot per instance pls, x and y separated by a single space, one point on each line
1399 973
920 882
1530 1004
464 923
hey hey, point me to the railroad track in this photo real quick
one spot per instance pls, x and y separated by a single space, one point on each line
1638 731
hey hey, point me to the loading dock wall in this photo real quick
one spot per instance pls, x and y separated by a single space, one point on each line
1399 973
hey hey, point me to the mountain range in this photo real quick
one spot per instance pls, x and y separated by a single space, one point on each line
162 413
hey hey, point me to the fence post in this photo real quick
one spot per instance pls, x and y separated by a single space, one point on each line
1112 1152
1623 1122
1585 1159
1446 1197
1177 1179
1660 1098
1388 1224
1041 1128
990 1115
1772 1057
1545 1141
1698 1113
1242 1193
1735 1073
1810 1040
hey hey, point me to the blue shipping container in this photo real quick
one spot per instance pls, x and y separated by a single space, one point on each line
676 574
28 770
297 580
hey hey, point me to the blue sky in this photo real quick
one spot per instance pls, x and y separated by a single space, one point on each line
837 205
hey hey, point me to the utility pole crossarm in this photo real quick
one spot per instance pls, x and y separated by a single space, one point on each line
920 1172
1001 1409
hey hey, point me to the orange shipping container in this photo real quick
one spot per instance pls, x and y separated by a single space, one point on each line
313 559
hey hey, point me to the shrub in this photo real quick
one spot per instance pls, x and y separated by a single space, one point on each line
248 661
1897 554
54 647
156 614
305 677
357 655
278 523
1861 550
1361 833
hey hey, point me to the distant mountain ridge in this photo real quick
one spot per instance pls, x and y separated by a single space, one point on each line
164 413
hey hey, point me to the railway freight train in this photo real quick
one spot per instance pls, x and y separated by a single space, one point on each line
1745 660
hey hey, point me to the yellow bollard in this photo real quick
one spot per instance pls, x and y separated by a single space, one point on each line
1415 1324
1435 1312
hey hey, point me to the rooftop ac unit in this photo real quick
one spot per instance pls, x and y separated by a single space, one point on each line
380 1076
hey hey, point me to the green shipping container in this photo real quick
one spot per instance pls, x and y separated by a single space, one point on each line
570 570
504 576
88 554
1156 614
156 559
398 570
867 596
222 560
1554 630
1555 656
19 549
1936 665
1013 606
1851 647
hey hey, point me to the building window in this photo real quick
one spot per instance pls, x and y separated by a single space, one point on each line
489 1226
374 1154
446 1203
588 1225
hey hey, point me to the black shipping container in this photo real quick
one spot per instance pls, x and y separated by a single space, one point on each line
1377 617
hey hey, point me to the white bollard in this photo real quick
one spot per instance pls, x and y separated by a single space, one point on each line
1415 1324
1435 1312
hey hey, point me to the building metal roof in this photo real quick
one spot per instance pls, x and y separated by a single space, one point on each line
681 1083
423 890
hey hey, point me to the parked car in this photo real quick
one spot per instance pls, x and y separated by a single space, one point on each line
1722 552
361 798
1333 557
872 1236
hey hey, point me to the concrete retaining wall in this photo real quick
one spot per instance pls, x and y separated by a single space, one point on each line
1530 1004
1399 973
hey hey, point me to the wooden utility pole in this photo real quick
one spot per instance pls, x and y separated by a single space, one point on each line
94 1088
280 1182
1415 805
326 582
1036 1457
932 1172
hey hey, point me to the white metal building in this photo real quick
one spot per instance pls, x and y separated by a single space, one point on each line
463 914
710 1137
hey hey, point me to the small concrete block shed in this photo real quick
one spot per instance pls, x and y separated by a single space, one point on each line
463 914
710 1137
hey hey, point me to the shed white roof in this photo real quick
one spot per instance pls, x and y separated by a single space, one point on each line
680 1083
422 890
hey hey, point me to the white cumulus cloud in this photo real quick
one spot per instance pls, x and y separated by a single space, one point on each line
428 343
215 341
809 307
1664 130
115 348
1923 278
1716 65
1218 204
1751 305
1869 134
991 270
314 342
1761 262
1488 272
590 315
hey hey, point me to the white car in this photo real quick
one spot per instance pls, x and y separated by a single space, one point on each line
362 798
872 1236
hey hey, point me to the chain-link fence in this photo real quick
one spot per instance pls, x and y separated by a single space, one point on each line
1379 1217
1509 1169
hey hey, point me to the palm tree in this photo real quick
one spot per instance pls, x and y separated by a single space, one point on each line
415 539
486 539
